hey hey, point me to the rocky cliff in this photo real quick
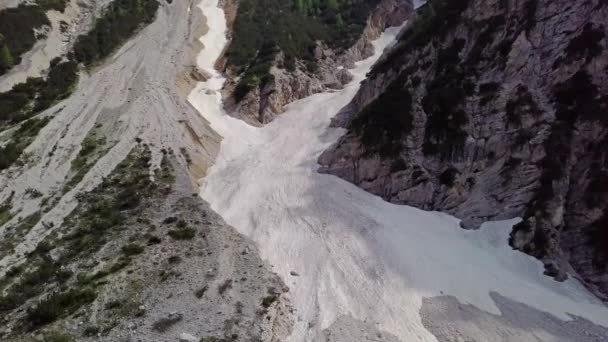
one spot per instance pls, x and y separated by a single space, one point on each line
493 109
288 78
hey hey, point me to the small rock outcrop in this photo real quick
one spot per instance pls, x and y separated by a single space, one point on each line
493 110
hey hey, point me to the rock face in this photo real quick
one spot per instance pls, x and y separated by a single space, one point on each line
493 110
263 104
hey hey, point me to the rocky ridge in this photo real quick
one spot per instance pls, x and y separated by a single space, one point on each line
264 103
491 110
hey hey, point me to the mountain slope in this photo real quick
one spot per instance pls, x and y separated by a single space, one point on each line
493 110
101 238
362 269
297 48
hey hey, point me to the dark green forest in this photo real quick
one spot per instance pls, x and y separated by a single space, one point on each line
119 22
263 28
17 34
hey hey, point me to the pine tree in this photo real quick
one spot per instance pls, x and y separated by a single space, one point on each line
6 58
333 4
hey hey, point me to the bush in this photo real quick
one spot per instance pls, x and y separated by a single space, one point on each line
225 286
448 177
174 259
58 305
57 5
520 105
182 233
164 324
586 45
132 249
56 336
201 292
269 300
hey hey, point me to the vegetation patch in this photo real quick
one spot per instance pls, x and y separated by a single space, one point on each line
18 33
263 28
5 211
530 8
443 103
448 177
383 123
576 98
132 249
92 148
598 238
101 215
22 138
182 233
488 92
433 21
37 94
32 283
520 105
58 305
57 5
57 336
104 211
586 45
17 232
119 21
269 300
166 323
489 29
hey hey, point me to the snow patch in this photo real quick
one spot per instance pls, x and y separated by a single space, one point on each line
355 253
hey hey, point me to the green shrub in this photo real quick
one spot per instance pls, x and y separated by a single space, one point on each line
132 249
201 292
174 259
57 5
269 300
586 45
31 284
520 105
56 336
448 177
58 305
182 233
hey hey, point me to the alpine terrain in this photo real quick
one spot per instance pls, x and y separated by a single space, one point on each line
303 170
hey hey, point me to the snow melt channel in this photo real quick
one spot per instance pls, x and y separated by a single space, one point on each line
355 253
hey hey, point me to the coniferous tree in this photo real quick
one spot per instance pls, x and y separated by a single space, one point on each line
6 58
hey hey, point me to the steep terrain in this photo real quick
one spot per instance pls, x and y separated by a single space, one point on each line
104 235
101 237
298 48
493 110
362 269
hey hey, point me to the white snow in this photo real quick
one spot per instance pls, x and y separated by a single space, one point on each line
355 253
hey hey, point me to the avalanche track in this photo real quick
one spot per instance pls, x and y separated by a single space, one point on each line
347 255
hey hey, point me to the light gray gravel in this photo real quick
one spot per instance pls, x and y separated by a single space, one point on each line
451 321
